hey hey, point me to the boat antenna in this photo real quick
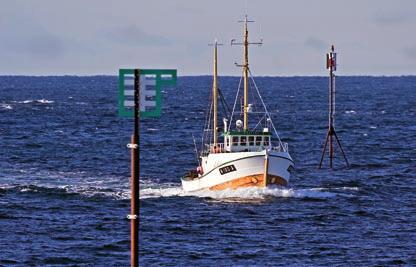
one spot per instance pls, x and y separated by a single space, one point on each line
331 65
245 65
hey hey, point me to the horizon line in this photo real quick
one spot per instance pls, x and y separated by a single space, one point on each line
210 75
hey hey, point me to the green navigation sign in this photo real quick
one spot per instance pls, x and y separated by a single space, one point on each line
151 83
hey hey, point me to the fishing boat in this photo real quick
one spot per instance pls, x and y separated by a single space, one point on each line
250 154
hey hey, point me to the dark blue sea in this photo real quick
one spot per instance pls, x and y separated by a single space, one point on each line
65 167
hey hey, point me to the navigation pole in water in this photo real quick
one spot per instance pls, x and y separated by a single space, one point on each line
331 65
140 96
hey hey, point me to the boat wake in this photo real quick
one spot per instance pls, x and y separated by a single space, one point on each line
175 190
149 190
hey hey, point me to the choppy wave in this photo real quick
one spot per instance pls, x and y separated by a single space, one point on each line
6 106
39 101
85 191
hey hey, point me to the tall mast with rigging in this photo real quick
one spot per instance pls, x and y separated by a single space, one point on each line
245 67
215 96
245 73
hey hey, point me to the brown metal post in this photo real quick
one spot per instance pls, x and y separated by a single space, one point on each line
323 150
133 209
331 115
135 174
331 150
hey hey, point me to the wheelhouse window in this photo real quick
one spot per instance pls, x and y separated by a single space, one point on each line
235 140
251 140
266 140
243 140
258 140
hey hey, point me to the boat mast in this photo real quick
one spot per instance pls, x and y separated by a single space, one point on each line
215 96
245 73
245 43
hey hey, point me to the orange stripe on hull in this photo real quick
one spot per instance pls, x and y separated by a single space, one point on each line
256 180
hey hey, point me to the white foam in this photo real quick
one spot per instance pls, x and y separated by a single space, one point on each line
347 188
6 106
44 101
243 193
350 112
41 101
93 191
152 129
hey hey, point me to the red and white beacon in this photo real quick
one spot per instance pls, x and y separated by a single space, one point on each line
331 60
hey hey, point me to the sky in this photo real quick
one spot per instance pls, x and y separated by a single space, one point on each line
89 37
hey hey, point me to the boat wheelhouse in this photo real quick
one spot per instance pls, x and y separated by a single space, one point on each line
236 141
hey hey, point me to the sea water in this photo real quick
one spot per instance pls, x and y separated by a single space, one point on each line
64 177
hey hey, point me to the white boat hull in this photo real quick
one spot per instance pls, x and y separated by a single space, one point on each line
241 169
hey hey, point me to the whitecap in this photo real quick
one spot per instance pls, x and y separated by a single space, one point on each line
6 106
40 101
44 101
350 112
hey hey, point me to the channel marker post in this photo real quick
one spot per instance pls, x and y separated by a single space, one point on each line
140 96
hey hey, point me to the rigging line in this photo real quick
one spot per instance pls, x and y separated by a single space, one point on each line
256 113
265 108
196 151
264 115
209 129
207 125
235 102
224 103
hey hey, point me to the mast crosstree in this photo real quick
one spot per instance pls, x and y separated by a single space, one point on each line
245 66
331 65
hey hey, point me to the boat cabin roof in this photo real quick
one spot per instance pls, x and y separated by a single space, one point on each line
244 133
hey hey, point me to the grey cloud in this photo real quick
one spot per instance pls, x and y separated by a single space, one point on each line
315 43
46 46
132 35
392 18
409 52
29 39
